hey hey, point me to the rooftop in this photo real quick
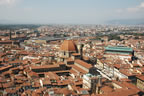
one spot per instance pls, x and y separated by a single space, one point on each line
141 77
68 45
118 48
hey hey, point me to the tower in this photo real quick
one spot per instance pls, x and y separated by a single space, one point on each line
93 61
93 85
10 35
80 50
96 84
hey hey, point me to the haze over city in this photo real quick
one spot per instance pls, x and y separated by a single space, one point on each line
71 11
71 47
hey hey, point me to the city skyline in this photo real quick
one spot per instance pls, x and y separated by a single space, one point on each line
70 12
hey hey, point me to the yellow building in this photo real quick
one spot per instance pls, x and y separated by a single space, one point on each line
140 82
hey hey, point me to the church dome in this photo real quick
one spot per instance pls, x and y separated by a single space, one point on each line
68 45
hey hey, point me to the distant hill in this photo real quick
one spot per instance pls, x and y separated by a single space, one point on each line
7 22
127 21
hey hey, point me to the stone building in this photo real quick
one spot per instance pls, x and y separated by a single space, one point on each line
69 49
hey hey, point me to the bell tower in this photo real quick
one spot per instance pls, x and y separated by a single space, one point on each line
10 34
80 50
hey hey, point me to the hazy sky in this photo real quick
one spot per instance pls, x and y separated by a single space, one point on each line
70 11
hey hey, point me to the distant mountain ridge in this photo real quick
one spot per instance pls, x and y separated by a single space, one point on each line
118 21
127 21
7 22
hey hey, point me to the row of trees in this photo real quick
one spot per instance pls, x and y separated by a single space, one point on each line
117 37
19 26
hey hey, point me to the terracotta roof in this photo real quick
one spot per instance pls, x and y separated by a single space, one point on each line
78 69
68 45
51 75
76 54
136 65
126 72
44 66
82 63
70 60
72 71
117 66
125 79
121 92
46 81
63 91
1 59
5 67
106 89
141 77
33 74
7 85
86 58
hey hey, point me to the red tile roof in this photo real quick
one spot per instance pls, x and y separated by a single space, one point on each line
82 63
44 66
68 45
141 77
5 67
78 69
